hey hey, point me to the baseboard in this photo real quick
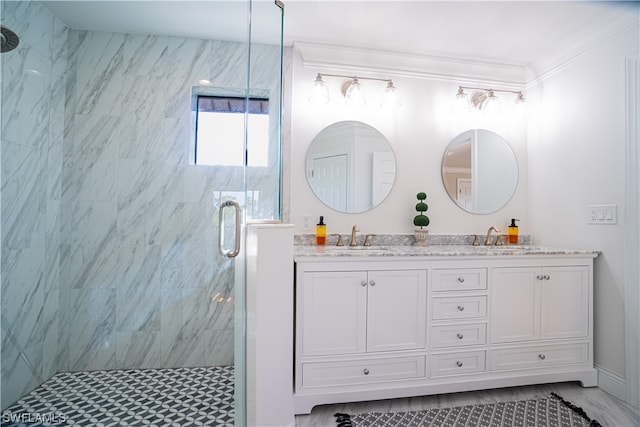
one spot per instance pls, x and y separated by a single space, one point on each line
612 383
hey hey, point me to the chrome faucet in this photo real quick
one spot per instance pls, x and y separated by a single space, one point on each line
489 241
354 230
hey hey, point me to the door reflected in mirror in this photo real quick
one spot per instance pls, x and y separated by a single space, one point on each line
350 166
479 171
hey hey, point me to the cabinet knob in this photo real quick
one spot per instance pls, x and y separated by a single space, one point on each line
539 277
372 283
365 371
363 283
546 277
460 336
542 356
459 364
461 279
461 308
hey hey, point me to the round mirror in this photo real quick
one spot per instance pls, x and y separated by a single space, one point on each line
479 171
350 166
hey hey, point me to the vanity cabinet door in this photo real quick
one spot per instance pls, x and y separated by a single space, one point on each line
397 302
334 313
539 303
356 311
515 304
565 302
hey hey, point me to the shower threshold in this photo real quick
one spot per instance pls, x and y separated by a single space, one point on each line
137 397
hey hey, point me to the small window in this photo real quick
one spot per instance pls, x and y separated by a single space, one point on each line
219 132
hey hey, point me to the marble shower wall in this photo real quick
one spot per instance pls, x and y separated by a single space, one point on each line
33 100
141 281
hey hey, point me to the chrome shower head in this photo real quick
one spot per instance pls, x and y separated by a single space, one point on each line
9 40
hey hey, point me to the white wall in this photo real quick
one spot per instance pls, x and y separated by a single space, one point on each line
419 133
576 144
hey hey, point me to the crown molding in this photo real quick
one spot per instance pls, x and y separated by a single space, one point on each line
351 59
579 46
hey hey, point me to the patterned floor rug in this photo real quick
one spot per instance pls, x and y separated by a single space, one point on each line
551 411
150 397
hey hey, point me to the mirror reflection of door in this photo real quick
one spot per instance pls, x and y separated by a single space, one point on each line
464 192
384 175
328 178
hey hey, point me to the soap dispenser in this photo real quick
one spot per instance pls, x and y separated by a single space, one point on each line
321 232
513 232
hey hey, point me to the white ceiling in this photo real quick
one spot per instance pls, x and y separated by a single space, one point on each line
505 32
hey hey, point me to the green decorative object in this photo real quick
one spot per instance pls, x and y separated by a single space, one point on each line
421 220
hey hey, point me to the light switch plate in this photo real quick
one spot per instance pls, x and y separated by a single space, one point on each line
602 214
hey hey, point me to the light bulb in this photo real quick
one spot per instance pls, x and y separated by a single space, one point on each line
390 99
319 91
355 94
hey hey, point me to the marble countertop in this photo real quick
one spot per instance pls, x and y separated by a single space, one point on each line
313 251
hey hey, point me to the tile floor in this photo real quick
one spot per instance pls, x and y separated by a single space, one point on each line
154 397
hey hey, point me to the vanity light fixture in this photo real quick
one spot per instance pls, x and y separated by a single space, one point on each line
484 99
353 91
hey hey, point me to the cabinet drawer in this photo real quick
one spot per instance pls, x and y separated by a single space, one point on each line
362 371
459 307
456 363
458 335
462 279
539 357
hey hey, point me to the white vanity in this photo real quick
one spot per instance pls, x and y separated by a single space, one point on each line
405 321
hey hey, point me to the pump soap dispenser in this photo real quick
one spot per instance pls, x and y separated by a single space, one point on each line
513 232
321 232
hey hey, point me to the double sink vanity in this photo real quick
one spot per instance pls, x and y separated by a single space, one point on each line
393 319
377 322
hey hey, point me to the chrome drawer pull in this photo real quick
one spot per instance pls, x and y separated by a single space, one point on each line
460 336
542 356
461 308
461 279
366 371
459 364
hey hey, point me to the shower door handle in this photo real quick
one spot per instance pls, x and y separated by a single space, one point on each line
236 249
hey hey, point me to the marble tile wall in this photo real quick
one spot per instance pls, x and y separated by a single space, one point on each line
33 99
142 284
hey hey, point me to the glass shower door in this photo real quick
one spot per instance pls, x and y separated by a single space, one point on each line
259 198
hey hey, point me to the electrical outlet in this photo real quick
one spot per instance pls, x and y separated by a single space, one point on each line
306 221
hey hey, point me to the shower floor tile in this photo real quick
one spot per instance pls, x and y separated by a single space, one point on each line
154 397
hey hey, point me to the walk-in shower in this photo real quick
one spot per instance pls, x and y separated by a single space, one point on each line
110 270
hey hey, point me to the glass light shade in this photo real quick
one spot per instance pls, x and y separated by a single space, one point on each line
520 105
319 91
355 94
390 98
461 103
492 105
